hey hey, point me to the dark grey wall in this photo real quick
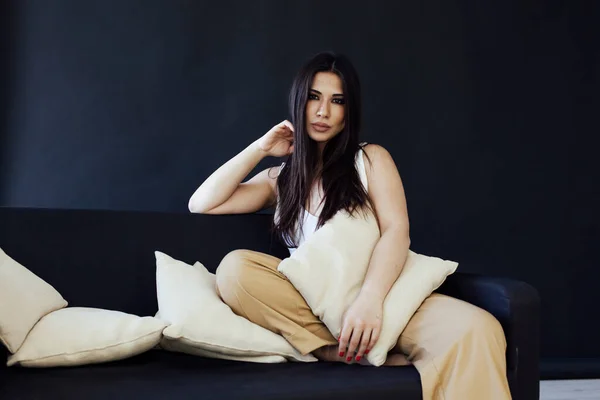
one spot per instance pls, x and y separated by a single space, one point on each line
6 50
488 110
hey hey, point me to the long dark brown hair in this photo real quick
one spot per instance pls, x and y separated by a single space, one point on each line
342 186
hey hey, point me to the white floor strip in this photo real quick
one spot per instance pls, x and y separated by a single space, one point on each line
587 389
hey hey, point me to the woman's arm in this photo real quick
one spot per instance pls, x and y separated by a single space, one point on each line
363 320
223 193
387 195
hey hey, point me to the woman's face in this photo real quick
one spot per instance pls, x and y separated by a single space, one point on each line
325 108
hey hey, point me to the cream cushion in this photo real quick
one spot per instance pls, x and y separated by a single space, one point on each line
79 335
201 323
184 346
328 269
24 299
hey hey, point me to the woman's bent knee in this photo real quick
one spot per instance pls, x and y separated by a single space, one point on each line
470 323
230 272
485 326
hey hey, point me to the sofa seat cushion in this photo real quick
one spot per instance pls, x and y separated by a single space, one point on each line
160 375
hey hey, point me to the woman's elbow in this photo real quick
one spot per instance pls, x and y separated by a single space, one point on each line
194 207
401 234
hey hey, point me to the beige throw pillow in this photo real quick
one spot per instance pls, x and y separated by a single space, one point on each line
24 299
78 336
185 346
201 323
329 268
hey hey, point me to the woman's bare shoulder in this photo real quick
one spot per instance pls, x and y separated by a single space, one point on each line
375 152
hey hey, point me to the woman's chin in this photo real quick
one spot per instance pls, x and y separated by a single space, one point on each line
320 137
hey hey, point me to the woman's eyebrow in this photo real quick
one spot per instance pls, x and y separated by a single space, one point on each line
335 95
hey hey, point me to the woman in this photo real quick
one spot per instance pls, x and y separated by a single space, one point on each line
458 349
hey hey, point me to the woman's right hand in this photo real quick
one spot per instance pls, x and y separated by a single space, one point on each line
279 141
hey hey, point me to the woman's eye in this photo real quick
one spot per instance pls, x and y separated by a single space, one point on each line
313 97
339 101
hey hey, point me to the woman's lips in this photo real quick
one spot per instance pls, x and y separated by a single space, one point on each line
321 127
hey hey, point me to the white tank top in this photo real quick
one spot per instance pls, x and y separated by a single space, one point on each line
309 225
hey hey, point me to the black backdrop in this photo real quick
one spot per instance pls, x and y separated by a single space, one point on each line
490 112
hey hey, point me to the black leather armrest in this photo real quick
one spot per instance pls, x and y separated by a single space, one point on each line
516 305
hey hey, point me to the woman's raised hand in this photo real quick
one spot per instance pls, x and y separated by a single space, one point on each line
278 141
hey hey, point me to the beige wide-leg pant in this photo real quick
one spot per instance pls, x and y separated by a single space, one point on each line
458 349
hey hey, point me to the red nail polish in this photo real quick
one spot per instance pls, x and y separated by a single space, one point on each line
357 358
341 354
349 359
367 351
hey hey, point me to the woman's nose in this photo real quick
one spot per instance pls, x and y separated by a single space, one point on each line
323 111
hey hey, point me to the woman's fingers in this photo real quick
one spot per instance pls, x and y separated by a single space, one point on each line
285 132
288 124
354 343
364 343
344 339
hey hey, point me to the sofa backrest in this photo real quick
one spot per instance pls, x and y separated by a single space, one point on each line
105 259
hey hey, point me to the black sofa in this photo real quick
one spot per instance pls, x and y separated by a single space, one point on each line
105 259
